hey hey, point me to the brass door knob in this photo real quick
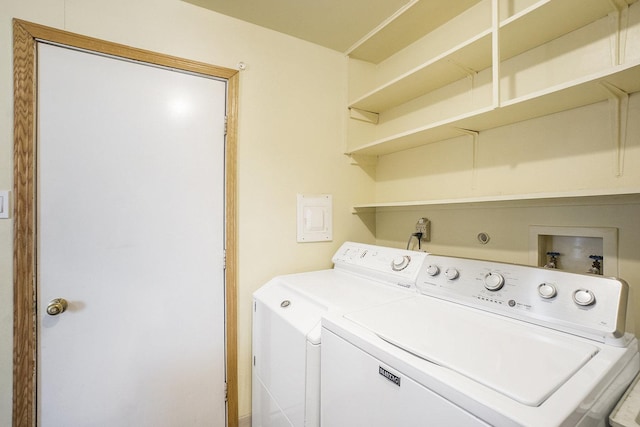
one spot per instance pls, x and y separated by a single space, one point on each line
56 306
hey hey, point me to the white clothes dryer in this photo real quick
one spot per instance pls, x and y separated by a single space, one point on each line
287 329
484 343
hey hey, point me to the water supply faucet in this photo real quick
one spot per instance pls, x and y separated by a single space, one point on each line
596 266
553 260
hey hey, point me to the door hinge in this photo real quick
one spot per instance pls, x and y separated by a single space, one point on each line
226 122
224 260
226 392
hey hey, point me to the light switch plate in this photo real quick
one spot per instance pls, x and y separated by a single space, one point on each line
4 204
314 219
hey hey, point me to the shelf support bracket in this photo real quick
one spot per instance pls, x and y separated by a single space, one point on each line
619 108
470 72
364 116
362 159
475 135
619 21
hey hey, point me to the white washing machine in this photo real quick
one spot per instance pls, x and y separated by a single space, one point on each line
287 330
483 343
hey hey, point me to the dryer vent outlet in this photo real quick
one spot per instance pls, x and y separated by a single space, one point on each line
424 226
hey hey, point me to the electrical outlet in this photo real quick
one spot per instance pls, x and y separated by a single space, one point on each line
424 226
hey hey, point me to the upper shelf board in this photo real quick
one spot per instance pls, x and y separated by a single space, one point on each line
473 55
547 20
417 19
536 25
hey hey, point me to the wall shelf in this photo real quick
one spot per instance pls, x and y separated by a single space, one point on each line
494 48
533 26
577 93
586 196
438 131
417 19
547 20
473 55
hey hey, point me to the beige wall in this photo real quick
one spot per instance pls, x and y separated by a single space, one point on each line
291 137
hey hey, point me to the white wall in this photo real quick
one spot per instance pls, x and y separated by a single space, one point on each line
291 137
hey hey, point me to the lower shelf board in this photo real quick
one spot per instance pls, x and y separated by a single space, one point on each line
625 195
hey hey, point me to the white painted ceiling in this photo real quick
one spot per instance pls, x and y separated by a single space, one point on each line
336 24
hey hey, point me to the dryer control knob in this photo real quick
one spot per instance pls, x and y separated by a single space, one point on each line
433 270
400 263
493 281
547 290
584 297
451 273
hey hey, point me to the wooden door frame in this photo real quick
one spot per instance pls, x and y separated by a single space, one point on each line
25 38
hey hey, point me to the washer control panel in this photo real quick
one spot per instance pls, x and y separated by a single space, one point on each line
392 265
587 305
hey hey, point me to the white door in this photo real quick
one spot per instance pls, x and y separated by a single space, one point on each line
130 198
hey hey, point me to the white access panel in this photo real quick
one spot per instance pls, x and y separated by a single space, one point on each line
314 218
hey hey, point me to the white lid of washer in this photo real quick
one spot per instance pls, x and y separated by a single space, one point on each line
301 299
524 362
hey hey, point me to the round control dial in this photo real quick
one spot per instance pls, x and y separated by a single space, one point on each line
584 297
400 263
493 281
547 290
451 273
433 270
